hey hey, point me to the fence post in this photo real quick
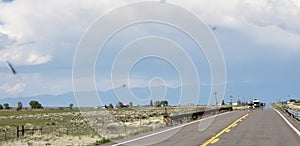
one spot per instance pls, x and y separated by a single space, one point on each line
5 135
17 131
23 130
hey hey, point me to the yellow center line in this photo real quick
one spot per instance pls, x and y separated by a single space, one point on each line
214 141
215 138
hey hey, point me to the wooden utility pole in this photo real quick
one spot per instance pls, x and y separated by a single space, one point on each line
231 100
215 93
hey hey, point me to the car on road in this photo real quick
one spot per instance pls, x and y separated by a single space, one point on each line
251 105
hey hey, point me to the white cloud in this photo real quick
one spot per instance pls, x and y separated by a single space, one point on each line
275 38
54 27
13 89
37 32
280 13
5 40
36 59
19 56
270 22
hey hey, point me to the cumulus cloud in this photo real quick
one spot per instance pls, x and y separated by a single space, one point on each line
56 26
282 14
5 41
38 32
26 85
36 59
35 32
53 26
269 22
13 89
19 56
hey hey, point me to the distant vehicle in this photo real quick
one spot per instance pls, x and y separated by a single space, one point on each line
250 105
256 103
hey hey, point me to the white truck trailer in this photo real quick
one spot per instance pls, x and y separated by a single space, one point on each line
256 103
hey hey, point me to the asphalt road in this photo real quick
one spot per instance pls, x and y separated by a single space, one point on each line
262 127
258 127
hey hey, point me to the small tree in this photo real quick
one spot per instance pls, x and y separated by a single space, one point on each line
6 106
35 105
119 104
223 102
239 102
164 103
110 106
20 106
151 103
71 106
1 107
157 103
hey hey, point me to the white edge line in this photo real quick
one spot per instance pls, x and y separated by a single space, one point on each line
135 139
295 129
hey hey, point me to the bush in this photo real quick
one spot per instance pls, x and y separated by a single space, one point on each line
99 142
20 106
6 106
35 105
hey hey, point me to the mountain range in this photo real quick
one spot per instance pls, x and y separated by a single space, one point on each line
63 100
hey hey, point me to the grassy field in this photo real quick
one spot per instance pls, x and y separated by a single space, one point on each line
54 123
6 113
281 106
36 117
86 127
295 106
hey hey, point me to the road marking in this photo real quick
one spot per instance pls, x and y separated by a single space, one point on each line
139 138
214 141
227 129
234 124
295 129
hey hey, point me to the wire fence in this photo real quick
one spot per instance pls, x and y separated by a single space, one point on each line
17 131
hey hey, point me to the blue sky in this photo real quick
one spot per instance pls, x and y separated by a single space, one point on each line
260 41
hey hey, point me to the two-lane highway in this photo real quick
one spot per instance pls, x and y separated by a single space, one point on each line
262 127
258 127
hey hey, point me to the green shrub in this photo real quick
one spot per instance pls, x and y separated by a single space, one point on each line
99 142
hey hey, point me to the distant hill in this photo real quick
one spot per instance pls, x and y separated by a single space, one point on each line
61 100
107 97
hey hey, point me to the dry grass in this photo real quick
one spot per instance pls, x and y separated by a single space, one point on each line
90 126
294 106
240 107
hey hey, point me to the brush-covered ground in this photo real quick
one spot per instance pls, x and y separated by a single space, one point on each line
86 126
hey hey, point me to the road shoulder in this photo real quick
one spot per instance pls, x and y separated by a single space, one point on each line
293 123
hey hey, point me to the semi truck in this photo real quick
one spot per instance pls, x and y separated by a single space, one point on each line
256 103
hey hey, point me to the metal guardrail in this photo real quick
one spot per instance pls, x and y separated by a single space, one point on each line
196 115
294 114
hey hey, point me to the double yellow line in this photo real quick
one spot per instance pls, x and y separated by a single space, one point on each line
215 138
